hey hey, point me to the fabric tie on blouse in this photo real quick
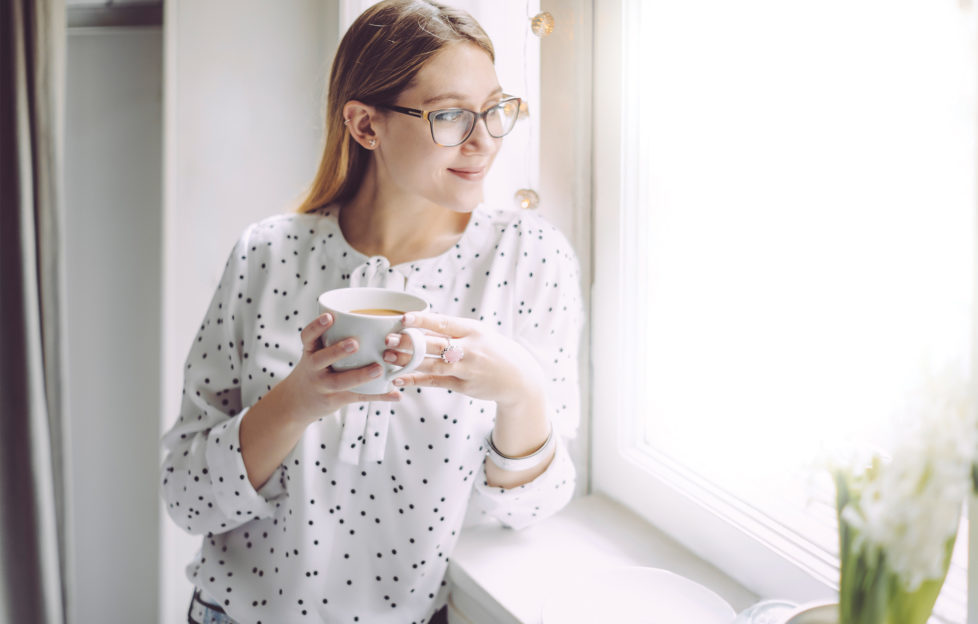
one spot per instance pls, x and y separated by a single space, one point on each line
365 426
377 272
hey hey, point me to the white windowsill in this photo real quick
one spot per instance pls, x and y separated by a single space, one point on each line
501 576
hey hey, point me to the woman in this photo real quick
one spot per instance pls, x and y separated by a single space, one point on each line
318 504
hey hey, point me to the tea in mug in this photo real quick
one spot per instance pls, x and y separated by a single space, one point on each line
378 312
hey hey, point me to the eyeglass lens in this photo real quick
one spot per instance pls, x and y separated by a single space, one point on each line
453 126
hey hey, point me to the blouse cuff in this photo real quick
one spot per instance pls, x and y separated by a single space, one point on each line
233 491
525 504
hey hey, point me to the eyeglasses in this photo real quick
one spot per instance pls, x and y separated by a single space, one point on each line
454 126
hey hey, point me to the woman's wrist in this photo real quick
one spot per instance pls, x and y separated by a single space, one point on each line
268 432
522 426
525 387
521 430
293 406
525 462
284 402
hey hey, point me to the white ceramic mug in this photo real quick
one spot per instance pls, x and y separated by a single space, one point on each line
357 313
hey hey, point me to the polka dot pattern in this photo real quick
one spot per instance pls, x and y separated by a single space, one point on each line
361 534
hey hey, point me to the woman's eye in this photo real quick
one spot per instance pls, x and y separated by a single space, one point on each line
449 115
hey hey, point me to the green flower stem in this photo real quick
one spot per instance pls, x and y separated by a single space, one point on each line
869 591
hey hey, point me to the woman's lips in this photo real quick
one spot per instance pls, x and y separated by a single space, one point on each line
470 173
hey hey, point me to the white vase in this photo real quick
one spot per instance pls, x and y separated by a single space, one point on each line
815 613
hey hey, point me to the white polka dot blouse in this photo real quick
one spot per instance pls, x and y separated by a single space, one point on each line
358 523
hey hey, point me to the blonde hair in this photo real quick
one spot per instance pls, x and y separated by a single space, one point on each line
377 59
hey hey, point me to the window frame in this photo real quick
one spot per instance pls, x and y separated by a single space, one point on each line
748 546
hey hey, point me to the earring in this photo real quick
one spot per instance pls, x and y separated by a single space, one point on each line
346 122
372 143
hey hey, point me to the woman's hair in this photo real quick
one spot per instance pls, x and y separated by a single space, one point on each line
377 59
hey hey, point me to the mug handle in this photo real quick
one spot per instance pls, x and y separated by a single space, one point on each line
419 344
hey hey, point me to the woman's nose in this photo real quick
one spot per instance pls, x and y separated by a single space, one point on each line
480 141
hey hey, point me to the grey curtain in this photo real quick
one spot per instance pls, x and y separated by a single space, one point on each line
32 488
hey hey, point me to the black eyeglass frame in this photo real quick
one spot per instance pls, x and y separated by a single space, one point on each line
426 115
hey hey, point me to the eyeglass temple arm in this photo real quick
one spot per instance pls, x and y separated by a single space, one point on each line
409 111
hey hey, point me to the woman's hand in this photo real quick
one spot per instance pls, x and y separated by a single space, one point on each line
274 425
315 388
494 367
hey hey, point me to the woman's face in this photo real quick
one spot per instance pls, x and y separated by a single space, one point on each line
410 162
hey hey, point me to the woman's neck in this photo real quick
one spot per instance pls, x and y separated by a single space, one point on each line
397 228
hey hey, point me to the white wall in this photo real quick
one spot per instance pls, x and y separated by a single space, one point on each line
112 229
244 84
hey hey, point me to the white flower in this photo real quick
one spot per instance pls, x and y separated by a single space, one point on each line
910 506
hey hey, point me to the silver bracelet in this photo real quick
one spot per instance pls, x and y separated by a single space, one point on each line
526 462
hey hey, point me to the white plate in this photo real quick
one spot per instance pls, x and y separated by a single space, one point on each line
635 595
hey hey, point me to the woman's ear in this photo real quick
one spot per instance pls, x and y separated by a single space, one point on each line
360 120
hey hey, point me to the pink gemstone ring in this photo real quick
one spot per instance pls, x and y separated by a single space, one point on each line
452 353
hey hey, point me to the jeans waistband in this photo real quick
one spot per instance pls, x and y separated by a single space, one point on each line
202 611
207 600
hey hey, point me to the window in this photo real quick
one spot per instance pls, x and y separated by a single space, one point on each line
785 232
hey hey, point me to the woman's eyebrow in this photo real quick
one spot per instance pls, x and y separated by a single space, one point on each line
456 97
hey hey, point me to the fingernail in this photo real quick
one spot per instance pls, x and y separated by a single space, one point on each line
350 346
390 357
376 370
393 341
398 382
408 319
325 319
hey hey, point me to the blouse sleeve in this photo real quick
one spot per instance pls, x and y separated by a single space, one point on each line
550 318
204 481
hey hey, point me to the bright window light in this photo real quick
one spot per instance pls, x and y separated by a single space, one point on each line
804 186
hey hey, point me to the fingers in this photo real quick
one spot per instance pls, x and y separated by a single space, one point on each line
433 363
432 372
428 380
435 345
334 382
392 396
312 332
332 354
452 326
355 397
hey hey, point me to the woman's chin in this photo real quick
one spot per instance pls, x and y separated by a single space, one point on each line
463 204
